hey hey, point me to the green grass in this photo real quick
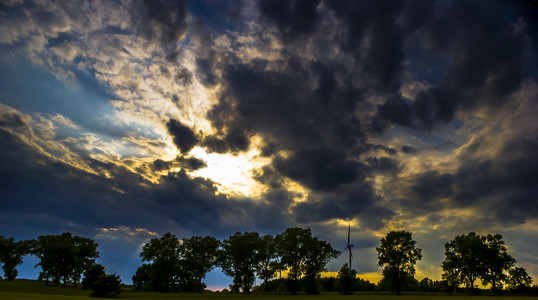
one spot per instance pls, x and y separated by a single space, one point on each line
33 290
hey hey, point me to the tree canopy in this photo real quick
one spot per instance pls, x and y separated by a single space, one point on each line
164 254
11 254
267 254
172 264
305 255
63 258
239 259
496 261
199 256
398 255
518 279
470 257
176 265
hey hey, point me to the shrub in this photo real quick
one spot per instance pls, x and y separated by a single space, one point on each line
107 286
91 275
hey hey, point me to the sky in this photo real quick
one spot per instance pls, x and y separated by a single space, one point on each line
123 120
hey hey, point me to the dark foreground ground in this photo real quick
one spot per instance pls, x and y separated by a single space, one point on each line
33 290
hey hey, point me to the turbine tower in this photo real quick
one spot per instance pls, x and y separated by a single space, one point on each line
349 246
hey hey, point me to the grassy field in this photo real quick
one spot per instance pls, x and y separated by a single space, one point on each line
32 290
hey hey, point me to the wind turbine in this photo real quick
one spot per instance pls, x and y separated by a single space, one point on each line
349 246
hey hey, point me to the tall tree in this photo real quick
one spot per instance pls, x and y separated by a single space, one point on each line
239 259
398 255
496 261
164 255
11 254
464 258
85 255
304 254
291 249
199 256
267 253
318 254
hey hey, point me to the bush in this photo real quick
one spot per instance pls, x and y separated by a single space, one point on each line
107 286
91 275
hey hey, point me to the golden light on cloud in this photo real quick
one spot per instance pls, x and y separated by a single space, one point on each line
124 230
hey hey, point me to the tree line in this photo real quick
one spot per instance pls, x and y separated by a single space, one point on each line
470 257
63 259
174 265
171 264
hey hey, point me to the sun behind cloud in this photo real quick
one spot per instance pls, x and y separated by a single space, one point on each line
233 173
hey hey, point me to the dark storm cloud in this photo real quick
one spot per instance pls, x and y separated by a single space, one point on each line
189 163
382 165
511 175
293 18
236 140
184 138
346 203
315 111
309 108
161 165
375 33
319 169
503 185
163 21
485 56
430 107
408 149
281 106
268 176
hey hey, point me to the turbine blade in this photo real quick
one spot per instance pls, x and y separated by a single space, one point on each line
348 232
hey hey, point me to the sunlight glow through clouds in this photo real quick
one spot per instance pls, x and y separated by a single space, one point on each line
233 173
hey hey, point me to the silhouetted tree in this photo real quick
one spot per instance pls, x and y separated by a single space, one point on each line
318 254
107 286
11 254
451 274
142 277
398 255
303 254
239 259
518 280
64 258
199 256
164 255
85 255
346 279
464 259
266 256
91 275
496 261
